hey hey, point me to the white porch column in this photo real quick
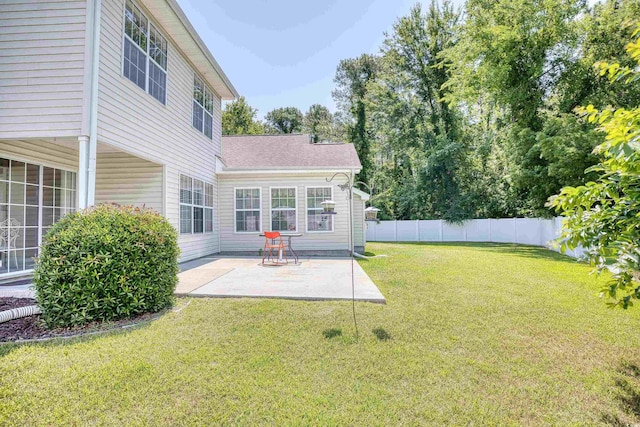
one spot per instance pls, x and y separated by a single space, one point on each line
91 173
86 172
83 165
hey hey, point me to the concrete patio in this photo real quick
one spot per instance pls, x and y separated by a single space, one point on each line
312 279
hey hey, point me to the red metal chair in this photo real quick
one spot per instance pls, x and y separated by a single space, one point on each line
270 245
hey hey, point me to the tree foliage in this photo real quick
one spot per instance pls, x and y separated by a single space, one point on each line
239 118
471 114
352 79
285 120
318 122
417 133
604 215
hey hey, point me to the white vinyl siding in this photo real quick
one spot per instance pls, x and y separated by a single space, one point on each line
316 222
247 211
359 224
41 152
41 68
284 215
230 241
128 180
144 53
165 136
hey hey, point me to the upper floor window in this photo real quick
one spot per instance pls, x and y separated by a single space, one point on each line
202 107
145 53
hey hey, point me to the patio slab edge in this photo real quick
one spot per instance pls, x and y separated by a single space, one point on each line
295 298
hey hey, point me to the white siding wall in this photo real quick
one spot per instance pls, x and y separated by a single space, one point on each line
137 123
41 152
319 241
41 68
128 180
358 222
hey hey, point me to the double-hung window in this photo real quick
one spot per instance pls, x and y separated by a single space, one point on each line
247 210
196 206
145 53
202 107
315 220
283 209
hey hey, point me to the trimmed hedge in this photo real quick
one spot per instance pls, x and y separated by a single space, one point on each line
107 262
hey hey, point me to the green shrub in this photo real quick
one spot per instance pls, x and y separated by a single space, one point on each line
105 263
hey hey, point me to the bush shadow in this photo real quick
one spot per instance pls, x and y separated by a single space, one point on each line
627 387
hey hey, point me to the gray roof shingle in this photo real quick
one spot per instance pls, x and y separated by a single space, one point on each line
290 151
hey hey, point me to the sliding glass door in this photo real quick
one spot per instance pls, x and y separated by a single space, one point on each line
32 198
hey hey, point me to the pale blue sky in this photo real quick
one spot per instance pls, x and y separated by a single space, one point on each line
281 53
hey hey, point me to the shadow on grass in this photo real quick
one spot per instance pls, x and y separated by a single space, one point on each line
381 334
332 333
627 395
528 251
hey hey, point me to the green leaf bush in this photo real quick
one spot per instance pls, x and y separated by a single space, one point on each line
105 263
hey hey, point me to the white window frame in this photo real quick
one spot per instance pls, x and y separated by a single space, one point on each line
41 186
192 205
146 54
271 209
306 210
204 109
235 210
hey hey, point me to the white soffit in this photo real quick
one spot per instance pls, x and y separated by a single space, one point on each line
169 15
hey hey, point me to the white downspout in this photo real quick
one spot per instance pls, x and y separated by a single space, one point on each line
93 129
88 141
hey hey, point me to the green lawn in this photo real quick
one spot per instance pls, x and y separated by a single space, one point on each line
471 334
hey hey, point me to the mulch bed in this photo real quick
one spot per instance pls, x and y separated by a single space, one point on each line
32 328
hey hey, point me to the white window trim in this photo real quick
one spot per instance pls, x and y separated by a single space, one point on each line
147 56
295 209
192 205
41 186
204 110
306 211
235 223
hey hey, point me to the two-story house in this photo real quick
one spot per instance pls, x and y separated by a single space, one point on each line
116 101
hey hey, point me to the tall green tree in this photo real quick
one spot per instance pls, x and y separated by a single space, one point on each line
352 79
416 129
285 120
239 118
318 122
512 53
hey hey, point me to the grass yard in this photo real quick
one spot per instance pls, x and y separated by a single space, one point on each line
471 334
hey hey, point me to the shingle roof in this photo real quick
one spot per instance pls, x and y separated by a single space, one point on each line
291 151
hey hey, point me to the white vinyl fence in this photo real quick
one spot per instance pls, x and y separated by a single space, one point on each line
526 231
